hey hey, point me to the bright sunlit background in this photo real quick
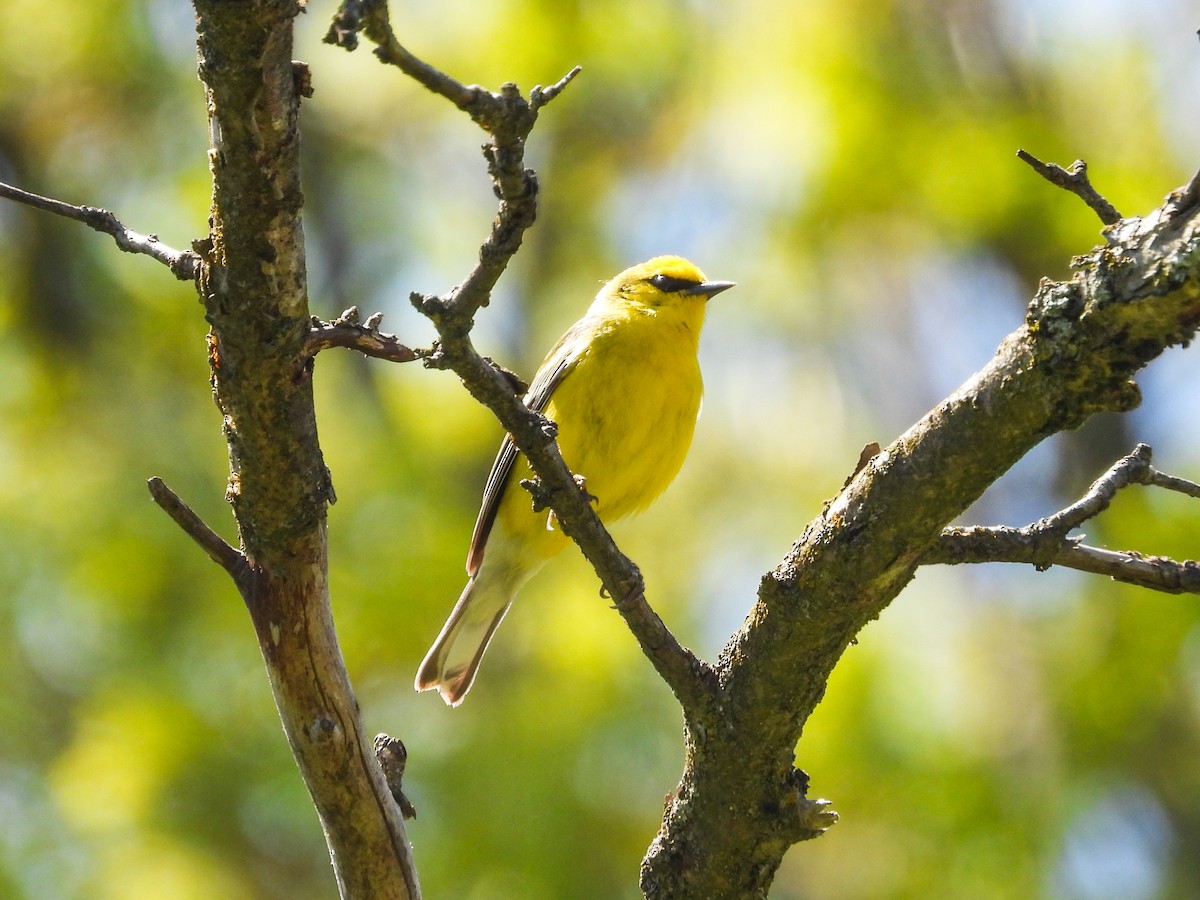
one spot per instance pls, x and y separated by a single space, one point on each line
998 733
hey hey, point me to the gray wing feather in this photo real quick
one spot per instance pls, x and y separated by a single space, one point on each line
559 362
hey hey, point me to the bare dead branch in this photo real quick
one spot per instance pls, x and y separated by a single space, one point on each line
1076 181
505 114
1043 550
1154 572
488 109
540 96
509 118
1046 543
365 337
1172 483
690 678
220 552
256 302
183 264
372 19
1131 469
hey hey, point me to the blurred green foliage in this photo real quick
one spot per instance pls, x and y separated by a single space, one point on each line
998 733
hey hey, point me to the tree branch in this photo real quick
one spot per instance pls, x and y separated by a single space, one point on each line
184 264
1046 543
253 285
506 115
1044 549
1132 469
1075 355
365 337
1076 181
225 556
509 118
494 113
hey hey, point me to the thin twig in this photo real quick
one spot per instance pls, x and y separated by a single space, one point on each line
366 338
1046 543
371 17
488 109
220 552
1172 483
1076 181
540 96
505 114
184 264
1155 572
1131 469
1187 196
1027 545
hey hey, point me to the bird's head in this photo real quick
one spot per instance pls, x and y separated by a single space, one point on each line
662 283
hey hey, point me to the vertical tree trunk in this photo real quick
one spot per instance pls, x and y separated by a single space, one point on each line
253 286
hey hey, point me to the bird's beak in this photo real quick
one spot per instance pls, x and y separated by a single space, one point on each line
710 288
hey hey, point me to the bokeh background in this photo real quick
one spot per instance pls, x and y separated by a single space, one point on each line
998 733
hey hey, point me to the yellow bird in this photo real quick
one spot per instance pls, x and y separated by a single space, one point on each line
623 385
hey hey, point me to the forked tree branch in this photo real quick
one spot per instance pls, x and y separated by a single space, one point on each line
1082 342
1048 542
509 118
184 264
492 112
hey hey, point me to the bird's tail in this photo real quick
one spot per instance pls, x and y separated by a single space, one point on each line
452 661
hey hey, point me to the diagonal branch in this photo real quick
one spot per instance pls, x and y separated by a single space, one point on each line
492 112
689 678
371 17
184 264
1076 181
1046 543
220 552
1132 469
506 115
509 118
1081 344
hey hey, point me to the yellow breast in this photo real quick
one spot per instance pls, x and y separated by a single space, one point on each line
625 416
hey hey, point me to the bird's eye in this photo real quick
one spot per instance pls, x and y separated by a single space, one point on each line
670 284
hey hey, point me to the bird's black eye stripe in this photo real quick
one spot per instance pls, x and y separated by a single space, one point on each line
670 284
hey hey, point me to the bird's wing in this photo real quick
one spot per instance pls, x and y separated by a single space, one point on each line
559 362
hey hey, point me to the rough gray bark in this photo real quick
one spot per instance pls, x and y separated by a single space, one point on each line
740 803
253 285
